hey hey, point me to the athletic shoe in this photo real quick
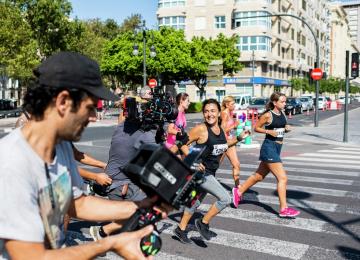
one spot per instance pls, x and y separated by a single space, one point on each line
236 198
94 232
203 229
182 236
289 213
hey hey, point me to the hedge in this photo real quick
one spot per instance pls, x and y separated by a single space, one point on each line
194 107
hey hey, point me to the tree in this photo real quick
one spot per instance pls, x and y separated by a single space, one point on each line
17 47
50 23
130 23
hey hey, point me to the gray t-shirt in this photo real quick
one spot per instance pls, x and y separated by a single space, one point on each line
26 211
125 142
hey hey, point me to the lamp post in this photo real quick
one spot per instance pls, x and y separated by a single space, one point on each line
136 51
2 80
316 119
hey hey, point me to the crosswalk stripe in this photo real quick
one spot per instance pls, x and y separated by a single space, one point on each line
270 246
326 155
272 219
265 245
299 178
347 148
319 191
339 152
307 170
332 165
315 205
332 161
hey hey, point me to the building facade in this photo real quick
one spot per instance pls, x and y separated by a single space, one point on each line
279 47
341 40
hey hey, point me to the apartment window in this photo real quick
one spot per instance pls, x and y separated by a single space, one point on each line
259 21
279 6
248 43
241 1
279 27
220 22
170 3
283 52
303 40
177 22
303 5
292 34
279 49
292 53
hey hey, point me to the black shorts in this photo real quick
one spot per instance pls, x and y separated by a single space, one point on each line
270 151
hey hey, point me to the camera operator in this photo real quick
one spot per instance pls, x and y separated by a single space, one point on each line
39 181
125 142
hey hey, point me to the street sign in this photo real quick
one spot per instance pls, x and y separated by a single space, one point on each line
152 83
317 74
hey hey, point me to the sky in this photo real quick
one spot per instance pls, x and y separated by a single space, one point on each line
115 9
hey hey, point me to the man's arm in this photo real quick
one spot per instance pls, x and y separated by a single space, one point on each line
126 245
100 178
87 159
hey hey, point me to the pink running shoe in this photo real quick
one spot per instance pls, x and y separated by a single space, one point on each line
289 213
235 197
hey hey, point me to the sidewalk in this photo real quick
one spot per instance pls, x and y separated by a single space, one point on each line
330 131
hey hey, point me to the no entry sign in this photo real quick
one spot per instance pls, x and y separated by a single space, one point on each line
152 83
317 74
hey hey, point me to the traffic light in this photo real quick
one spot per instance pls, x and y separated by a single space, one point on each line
310 78
355 65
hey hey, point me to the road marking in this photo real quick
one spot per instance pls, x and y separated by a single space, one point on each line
332 161
319 191
347 148
272 219
306 170
332 165
246 242
307 204
329 155
339 152
298 178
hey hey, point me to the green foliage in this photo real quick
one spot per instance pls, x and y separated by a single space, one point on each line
17 47
131 23
194 107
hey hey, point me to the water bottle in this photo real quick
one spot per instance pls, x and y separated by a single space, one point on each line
239 128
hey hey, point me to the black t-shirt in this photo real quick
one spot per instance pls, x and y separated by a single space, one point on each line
125 142
215 145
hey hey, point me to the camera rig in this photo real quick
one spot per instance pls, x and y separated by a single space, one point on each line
159 172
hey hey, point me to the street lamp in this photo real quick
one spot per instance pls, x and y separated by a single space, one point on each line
316 119
2 79
136 51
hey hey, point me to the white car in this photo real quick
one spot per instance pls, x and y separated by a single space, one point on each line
357 98
342 100
306 103
322 102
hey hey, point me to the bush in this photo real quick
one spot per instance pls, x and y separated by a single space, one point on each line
194 107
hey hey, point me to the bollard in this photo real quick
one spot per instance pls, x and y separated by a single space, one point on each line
308 111
248 127
290 115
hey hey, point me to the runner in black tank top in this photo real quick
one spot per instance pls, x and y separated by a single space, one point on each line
273 124
213 137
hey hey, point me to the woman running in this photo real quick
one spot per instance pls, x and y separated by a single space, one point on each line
182 101
211 135
229 124
273 124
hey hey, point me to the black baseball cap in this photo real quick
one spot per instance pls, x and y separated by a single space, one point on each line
73 70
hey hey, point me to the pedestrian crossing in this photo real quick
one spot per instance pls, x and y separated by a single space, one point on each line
333 196
328 227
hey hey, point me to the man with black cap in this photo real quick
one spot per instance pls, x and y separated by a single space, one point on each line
39 182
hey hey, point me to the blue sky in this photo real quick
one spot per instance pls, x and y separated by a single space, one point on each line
115 9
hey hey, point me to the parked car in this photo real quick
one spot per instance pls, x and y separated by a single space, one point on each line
241 101
258 105
322 102
293 106
342 100
306 103
311 101
357 98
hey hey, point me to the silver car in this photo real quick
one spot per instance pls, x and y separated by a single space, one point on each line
306 103
258 105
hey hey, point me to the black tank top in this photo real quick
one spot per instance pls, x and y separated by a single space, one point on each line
278 123
216 145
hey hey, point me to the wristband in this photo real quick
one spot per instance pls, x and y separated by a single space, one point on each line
239 138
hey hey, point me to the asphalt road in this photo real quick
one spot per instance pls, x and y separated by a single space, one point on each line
324 184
